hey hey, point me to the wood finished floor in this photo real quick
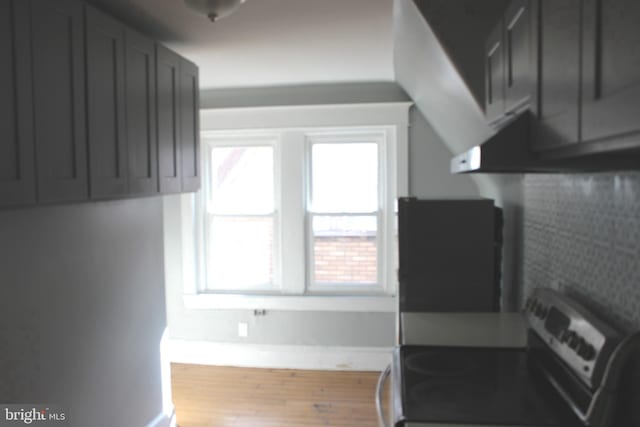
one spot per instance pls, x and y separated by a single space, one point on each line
210 396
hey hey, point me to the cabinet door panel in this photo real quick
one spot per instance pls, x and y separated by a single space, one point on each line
59 104
167 98
611 64
106 106
189 126
494 71
141 114
559 80
520 68
17 176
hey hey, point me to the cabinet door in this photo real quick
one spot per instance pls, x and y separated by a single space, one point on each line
494 72
141 114
17 176
167 99
189 126
559 79
106 106
59 99
520 65
611 64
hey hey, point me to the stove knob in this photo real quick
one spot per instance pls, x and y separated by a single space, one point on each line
571 338
586 351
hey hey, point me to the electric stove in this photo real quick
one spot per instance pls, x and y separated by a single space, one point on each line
566 376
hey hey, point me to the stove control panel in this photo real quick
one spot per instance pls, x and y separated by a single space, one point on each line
572 332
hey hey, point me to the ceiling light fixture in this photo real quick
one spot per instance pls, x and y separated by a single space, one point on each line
214 9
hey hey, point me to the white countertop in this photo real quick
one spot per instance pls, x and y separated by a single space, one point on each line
506 330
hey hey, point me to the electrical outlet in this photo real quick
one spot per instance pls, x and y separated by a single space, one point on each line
243 329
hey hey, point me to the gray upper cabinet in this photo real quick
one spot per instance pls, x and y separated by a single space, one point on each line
90 109
17 171
59 99
559 74
168 125
106 129
520 59
494 72
141 114
611 74
509 62
189 125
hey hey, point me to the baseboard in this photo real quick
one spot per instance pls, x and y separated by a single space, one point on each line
280 356
164 420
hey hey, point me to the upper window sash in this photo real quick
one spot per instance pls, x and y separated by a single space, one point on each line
344 137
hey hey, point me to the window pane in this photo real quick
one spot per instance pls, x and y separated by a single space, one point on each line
240 252
345 250
242 180
344 177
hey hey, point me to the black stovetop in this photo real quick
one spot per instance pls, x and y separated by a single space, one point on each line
477 386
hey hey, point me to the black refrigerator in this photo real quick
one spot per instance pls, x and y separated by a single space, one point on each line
449 255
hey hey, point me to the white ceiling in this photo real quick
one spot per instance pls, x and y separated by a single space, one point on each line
273 42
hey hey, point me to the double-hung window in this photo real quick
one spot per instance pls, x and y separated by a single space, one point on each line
299 211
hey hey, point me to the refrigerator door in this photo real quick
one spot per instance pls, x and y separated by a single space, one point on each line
448 251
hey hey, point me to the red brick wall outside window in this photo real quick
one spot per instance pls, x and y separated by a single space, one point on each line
345 259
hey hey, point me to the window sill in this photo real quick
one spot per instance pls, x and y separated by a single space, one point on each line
371 304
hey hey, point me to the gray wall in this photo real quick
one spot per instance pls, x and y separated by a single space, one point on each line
429 177
429 158
82 309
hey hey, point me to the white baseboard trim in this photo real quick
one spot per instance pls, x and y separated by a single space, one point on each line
279 356
164 420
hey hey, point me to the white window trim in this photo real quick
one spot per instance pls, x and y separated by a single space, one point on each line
391 116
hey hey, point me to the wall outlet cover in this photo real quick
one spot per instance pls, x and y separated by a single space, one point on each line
243 329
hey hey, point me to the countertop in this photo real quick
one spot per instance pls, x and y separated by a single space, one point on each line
507 330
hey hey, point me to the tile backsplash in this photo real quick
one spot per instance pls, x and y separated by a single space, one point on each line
581 233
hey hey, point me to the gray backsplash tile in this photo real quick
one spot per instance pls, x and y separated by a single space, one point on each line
581 233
